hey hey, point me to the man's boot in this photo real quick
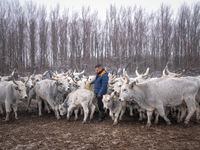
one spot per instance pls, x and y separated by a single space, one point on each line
101 116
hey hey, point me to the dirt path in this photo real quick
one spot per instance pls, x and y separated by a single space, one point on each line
46 132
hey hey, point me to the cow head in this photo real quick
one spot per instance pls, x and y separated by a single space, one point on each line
126 90
77 75
63 109
62 84
20 88
106 101
27 81
73 86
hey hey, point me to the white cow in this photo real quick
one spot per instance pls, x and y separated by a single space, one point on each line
76 99
160 93
10 94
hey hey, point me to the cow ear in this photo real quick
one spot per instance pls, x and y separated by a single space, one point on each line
115 93
132 84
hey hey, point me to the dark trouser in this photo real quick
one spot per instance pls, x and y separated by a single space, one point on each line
100 104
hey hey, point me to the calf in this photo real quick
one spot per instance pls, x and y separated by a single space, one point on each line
76 99
116 107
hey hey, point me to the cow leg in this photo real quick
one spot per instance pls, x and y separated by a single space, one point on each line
76 114
70 108
183 112
47 107
116 117
15 111
130 108
1 110
156 116
140 114
122 113
8 110
86 112
111 115
92 111
190 102
161 112
197 111
39 101
149 115
57 112
55 109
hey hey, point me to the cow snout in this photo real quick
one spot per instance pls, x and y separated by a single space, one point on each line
25 97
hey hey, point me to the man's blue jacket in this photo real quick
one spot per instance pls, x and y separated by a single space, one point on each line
101 82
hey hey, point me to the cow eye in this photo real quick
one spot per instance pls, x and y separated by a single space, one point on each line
120 85
108 101
124 90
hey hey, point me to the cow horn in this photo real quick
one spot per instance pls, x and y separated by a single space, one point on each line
82 72
146 73
167 70
112 86
14 81
128 80
13 72
28 78
164 72
65 74
44 74
54 79
33 73
127 65
74 80
136 71
55 75
122 80
113 78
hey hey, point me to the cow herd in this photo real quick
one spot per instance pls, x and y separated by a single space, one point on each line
64 93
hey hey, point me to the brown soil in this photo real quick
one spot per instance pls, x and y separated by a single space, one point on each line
33 132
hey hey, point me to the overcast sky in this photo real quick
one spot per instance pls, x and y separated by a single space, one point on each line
102 5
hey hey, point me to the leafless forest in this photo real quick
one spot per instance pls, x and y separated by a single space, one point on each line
32 38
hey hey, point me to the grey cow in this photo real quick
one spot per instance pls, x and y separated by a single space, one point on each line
115 107
52 92
10 94
160 93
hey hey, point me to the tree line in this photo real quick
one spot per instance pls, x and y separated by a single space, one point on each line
33 38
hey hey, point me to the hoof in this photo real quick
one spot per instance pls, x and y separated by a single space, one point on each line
197 122
156 123
139 120
83 122
147 126
186 125
114 124
6 121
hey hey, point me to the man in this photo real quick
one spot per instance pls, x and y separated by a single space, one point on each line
100 88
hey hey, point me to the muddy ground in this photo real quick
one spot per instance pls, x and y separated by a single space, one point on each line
33 132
